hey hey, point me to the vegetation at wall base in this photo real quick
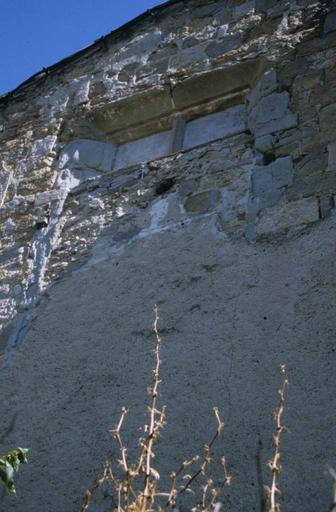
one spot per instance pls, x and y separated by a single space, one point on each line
9 464
136 485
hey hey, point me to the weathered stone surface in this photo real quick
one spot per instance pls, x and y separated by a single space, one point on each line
265 86
188 56
210 85
264 143
230 42
138 109
215 126
244 9
202 202
314 184
277 220
272 114
269 181
82 154
143 150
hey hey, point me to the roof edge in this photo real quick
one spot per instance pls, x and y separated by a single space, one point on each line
44 72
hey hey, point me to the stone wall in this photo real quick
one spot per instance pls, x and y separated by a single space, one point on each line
187 159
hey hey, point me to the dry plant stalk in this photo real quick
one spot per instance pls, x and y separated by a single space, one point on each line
136 485
332 473
274 464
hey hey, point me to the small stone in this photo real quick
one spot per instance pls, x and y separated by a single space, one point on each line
17 290
223 30
9 226
142 45
81 91
188 186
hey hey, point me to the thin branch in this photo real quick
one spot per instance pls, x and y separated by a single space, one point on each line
106 476
274 464
206 454
117 437
332 473
154 425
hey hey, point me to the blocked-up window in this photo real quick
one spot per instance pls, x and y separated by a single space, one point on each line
84 154
196 132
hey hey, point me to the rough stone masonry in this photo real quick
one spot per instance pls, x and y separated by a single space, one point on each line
186 159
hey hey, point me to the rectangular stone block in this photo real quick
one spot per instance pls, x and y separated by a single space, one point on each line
319 183
188 56
214 126
84 153
213 84
272 114
143 150
135 110
281 219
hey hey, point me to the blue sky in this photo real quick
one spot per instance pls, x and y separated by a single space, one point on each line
37 33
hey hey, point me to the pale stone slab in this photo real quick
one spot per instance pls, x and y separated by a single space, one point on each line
83 154
143 150
215 126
